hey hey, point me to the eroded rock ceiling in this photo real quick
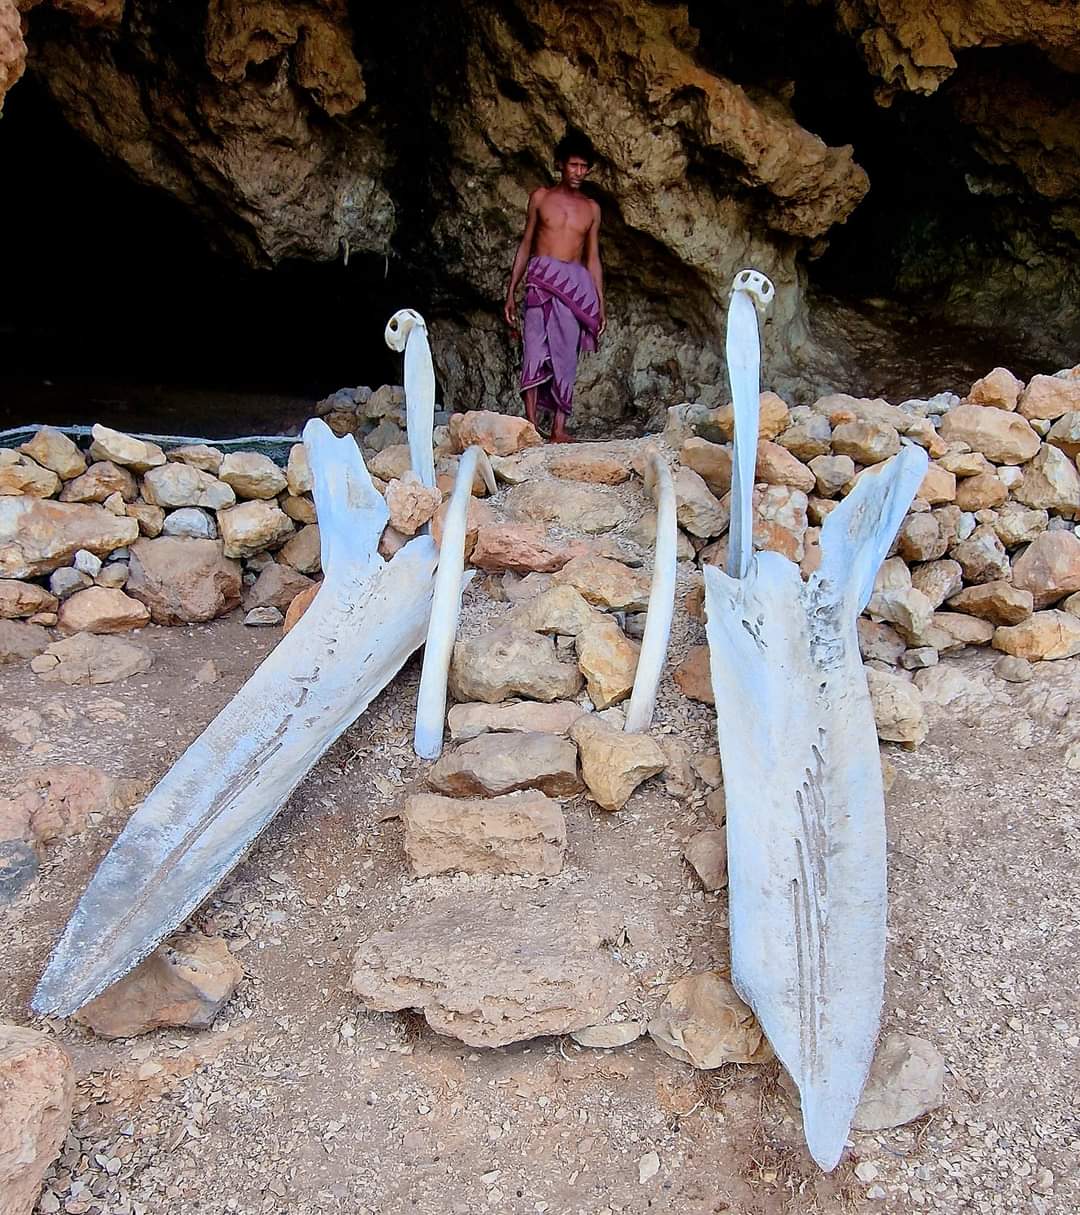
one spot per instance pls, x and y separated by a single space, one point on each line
305 130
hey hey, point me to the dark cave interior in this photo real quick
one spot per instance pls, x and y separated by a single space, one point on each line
119 309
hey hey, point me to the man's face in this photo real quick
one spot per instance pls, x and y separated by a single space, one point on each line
574 171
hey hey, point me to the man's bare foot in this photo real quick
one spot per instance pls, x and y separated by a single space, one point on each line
558 431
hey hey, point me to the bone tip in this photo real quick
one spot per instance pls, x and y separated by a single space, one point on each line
400 325
756 285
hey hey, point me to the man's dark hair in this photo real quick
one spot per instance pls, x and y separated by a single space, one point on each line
574 143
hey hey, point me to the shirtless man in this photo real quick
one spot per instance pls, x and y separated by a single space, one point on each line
559 258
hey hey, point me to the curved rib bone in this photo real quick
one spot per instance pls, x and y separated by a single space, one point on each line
450 582
407 331
654 643
367 618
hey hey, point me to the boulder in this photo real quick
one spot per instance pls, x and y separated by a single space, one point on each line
711 462
1049 396
276 586
411 503
250 527
37 535
512 717
184 983
511 662
491 972
263 617
499 434
780 520
88 660
706 853
299 606
832 473
614 763
55 451
559 609
1065 433
1049 568
773 418
999 389
982 556
938 580
493 764
303 551
608 660
998 602
521 548
879 641
183 581
865 442
37 1090
907 1080
137 454
179 484
1050 482
198 455
582 508
643 533
961 461
21 599
606 583
477 515
299 510
522 832
151 519
100 481
692 676
101 610
954 630
777 466
898 708
1044 635
982 492
920 538
1016 524
20 474
703 1022
809 435
19 641
938 486
252 475
192 522
298 471
905 608
592 464
63 799
1002 437
699 512
390 464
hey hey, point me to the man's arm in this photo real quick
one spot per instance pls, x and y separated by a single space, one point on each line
592 263
521 258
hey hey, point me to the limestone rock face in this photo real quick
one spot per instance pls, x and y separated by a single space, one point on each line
37 1089
183 581
497 971
185 982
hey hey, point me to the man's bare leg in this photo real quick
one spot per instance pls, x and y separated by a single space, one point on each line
530 404
558 429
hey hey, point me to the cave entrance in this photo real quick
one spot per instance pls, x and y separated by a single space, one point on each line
117 309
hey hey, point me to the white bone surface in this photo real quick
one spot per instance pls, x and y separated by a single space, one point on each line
407 331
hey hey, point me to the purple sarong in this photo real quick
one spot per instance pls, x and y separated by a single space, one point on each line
562 316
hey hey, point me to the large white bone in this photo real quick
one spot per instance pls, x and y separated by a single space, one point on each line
450 582
654 642
407 331
802 776
367 618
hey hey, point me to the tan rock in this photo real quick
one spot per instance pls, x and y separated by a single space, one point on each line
1049 396
493 764
706 853
879 641
64 799
982 556
999 389
614 763
809 435
699 512
477 515
711 461
777 466
559 609
55 451
920 538
1002 437
22 599
100 481
907 1080
491 972
998 602
893 574
593 464
692 675
898 708
298 471
523 832
513 717
101 610
251 527
832 473
939 484
183 581
498 434
179 484
608 660
938 580
703 1022
582 508
198 455
519 547
411 503
252 475
965 463
510 662
184 983
303 550
37 1089
610 1036
1049 568
1051 482
780 520
19 641
37 535
1044 635
606 583
982 492
299 606
125 450
1016 524
276 586
773 418
299 510
89 660
1065 433
865 442
906 608
390 464
151 519
643 533
19 474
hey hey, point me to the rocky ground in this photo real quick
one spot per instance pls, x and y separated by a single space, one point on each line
299 1097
